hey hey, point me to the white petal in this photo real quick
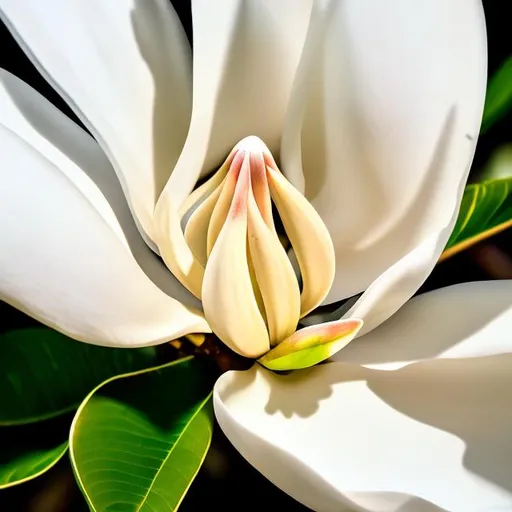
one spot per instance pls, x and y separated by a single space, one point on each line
453 313
62 263
388 293
430 436
390 95
124 67
245 56
33 118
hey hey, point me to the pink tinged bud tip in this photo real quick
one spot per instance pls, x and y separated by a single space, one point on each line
311 345
250 292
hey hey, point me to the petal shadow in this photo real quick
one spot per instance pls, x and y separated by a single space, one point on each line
80 148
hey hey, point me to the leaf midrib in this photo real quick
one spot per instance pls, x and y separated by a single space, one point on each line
84 403
192 417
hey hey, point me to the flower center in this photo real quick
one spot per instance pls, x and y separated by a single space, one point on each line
252 297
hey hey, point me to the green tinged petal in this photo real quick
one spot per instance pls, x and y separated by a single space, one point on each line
311 345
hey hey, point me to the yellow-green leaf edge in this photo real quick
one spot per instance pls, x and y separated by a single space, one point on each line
119 377
64 449
459 246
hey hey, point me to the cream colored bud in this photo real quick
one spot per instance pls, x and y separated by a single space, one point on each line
250 292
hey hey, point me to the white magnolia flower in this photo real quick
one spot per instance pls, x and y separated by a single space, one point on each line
372 110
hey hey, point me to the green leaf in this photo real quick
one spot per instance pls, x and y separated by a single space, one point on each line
498 100
44 374
138 441
499 165
28 451
486 209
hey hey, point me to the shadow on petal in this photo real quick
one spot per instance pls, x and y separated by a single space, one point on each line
443 323
469 398
401 230
171 116
272 420
289 404
419 505
80 148
287 470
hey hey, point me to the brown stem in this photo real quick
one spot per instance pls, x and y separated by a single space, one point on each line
212 348
497 263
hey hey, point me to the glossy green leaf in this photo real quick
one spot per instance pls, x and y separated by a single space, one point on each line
498 100
486 209
27 451
44 374
138 441
499 165
311 345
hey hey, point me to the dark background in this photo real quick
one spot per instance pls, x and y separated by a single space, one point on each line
226 481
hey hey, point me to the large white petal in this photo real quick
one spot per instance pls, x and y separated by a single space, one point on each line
75 153
387 294
382 125
62 263
429 436
460 311
124 67
245 57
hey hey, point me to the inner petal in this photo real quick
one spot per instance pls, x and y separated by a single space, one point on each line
250 289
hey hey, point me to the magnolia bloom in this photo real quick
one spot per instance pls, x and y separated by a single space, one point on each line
370 112
239 269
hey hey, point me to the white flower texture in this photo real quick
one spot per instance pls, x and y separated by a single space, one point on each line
372 110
